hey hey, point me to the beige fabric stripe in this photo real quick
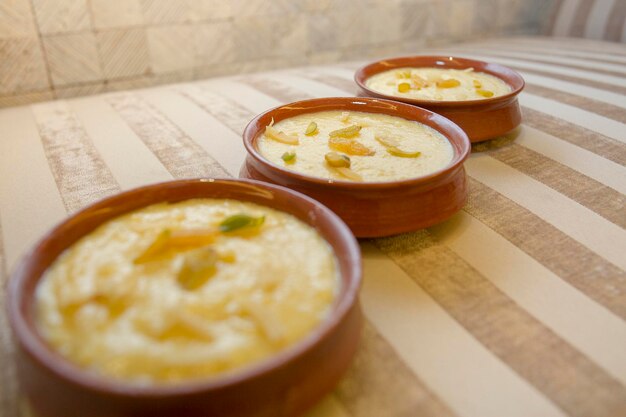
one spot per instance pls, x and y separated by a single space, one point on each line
579 136
8 393
584 324
181 156
440 350
216 139
78 169
605 201
567 258
579 22
527 346
380 384
25 182
115 141
616 21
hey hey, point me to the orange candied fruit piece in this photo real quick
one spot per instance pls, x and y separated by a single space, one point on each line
351 147
451 83
485 93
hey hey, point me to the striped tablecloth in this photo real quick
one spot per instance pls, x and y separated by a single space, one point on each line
514 307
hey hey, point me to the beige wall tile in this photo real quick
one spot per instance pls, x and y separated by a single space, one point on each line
247 8
485 16
116 13
171 48
322 32
123 52
60 16
414 19
22 66
72 58
206 10
16 19
259 37
383 24
166 11
214 43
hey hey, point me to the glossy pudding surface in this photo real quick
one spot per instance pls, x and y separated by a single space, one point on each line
438 84
186 290
355 146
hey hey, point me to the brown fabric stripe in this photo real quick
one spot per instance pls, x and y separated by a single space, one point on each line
604 200
270 87
587 139
616 21
566 257
380 384
504 54
577 29
8 393
80 173
560 372
178 153
227 111
585 103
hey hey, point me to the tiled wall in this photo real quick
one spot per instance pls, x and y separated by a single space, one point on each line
63 48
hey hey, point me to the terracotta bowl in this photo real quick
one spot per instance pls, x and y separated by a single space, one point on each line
283 385
371 209
480 119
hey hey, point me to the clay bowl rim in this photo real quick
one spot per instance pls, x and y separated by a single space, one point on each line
450 130
506 74
344 245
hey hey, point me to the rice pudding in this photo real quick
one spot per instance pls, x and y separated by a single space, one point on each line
186 290
439 84
355 146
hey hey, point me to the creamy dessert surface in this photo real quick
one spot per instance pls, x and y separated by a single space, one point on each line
442 84
186 290
423 150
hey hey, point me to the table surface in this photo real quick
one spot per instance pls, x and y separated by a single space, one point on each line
514 307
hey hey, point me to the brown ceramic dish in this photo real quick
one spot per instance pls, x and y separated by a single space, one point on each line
283 385
480 119
371 209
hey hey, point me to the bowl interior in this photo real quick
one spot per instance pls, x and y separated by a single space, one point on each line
28 273
455 135
515 81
